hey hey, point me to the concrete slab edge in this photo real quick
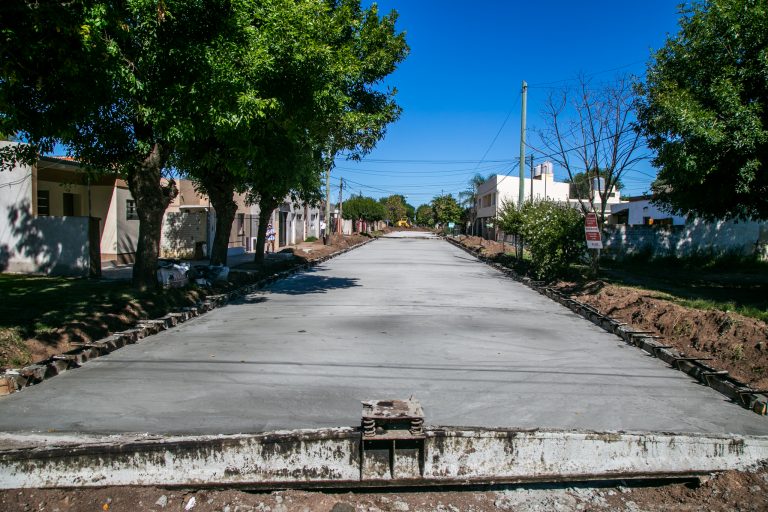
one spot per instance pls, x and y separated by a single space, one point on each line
15 380
719 380
337 458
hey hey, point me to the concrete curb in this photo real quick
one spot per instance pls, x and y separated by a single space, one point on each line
15 380
719 380
341 458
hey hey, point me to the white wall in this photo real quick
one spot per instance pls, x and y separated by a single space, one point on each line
29 244
507 189
15 204
697 236
644 208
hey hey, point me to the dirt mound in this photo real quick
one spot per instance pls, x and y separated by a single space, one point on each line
483 247
736 343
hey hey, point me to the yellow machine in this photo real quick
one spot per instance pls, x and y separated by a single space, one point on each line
403 223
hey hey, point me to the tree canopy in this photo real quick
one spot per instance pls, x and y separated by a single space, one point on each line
425 216
396 208
113 82
704 110
552 232
252 96
363 208
445 209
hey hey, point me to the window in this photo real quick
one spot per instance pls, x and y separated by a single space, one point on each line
70 205
43 203
130 210
240 223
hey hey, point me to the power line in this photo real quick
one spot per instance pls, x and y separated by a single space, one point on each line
433 162
548 85
495 137
552 155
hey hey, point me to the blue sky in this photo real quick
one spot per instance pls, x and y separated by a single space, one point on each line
463 78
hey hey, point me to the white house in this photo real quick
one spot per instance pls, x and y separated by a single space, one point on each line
499 190
639 210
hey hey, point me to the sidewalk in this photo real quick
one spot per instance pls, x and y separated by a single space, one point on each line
113 272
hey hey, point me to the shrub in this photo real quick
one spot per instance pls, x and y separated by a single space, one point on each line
311 239
553 233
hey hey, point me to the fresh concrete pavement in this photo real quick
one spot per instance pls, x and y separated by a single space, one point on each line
405 315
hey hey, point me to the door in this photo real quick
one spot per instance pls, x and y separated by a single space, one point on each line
283 228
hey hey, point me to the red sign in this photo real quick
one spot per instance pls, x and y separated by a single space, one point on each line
593 236
592 231
590 222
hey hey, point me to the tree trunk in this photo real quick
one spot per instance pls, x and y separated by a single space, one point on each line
265 211
152 198
221 190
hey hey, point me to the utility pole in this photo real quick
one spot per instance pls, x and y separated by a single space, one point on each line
328 195
341 190
531 175
521 196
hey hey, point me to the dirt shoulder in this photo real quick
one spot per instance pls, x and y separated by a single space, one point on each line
46 316
727 491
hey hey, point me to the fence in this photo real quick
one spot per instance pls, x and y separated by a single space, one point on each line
718 238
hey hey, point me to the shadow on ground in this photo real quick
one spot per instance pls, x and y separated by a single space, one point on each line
310 282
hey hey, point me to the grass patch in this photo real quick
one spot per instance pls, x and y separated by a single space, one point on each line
13 350
725 306
731 283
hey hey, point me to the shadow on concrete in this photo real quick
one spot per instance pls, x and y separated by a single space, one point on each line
309 282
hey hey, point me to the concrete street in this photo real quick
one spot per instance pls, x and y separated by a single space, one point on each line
398 317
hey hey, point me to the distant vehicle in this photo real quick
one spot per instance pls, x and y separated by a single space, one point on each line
403 223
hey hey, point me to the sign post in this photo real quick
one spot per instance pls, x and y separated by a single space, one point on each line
592 232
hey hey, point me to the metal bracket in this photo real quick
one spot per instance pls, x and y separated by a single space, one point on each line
392 440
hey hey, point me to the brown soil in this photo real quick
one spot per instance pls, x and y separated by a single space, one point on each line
486 248
729 491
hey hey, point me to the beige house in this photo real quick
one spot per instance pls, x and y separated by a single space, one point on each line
58 218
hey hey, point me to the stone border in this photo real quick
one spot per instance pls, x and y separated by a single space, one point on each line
15 380
719 380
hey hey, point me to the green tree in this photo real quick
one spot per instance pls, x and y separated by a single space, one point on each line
510 219
264 89
425 216
395 207
445 209
368 49
553 233
704 110
363 208
113 82
288 166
